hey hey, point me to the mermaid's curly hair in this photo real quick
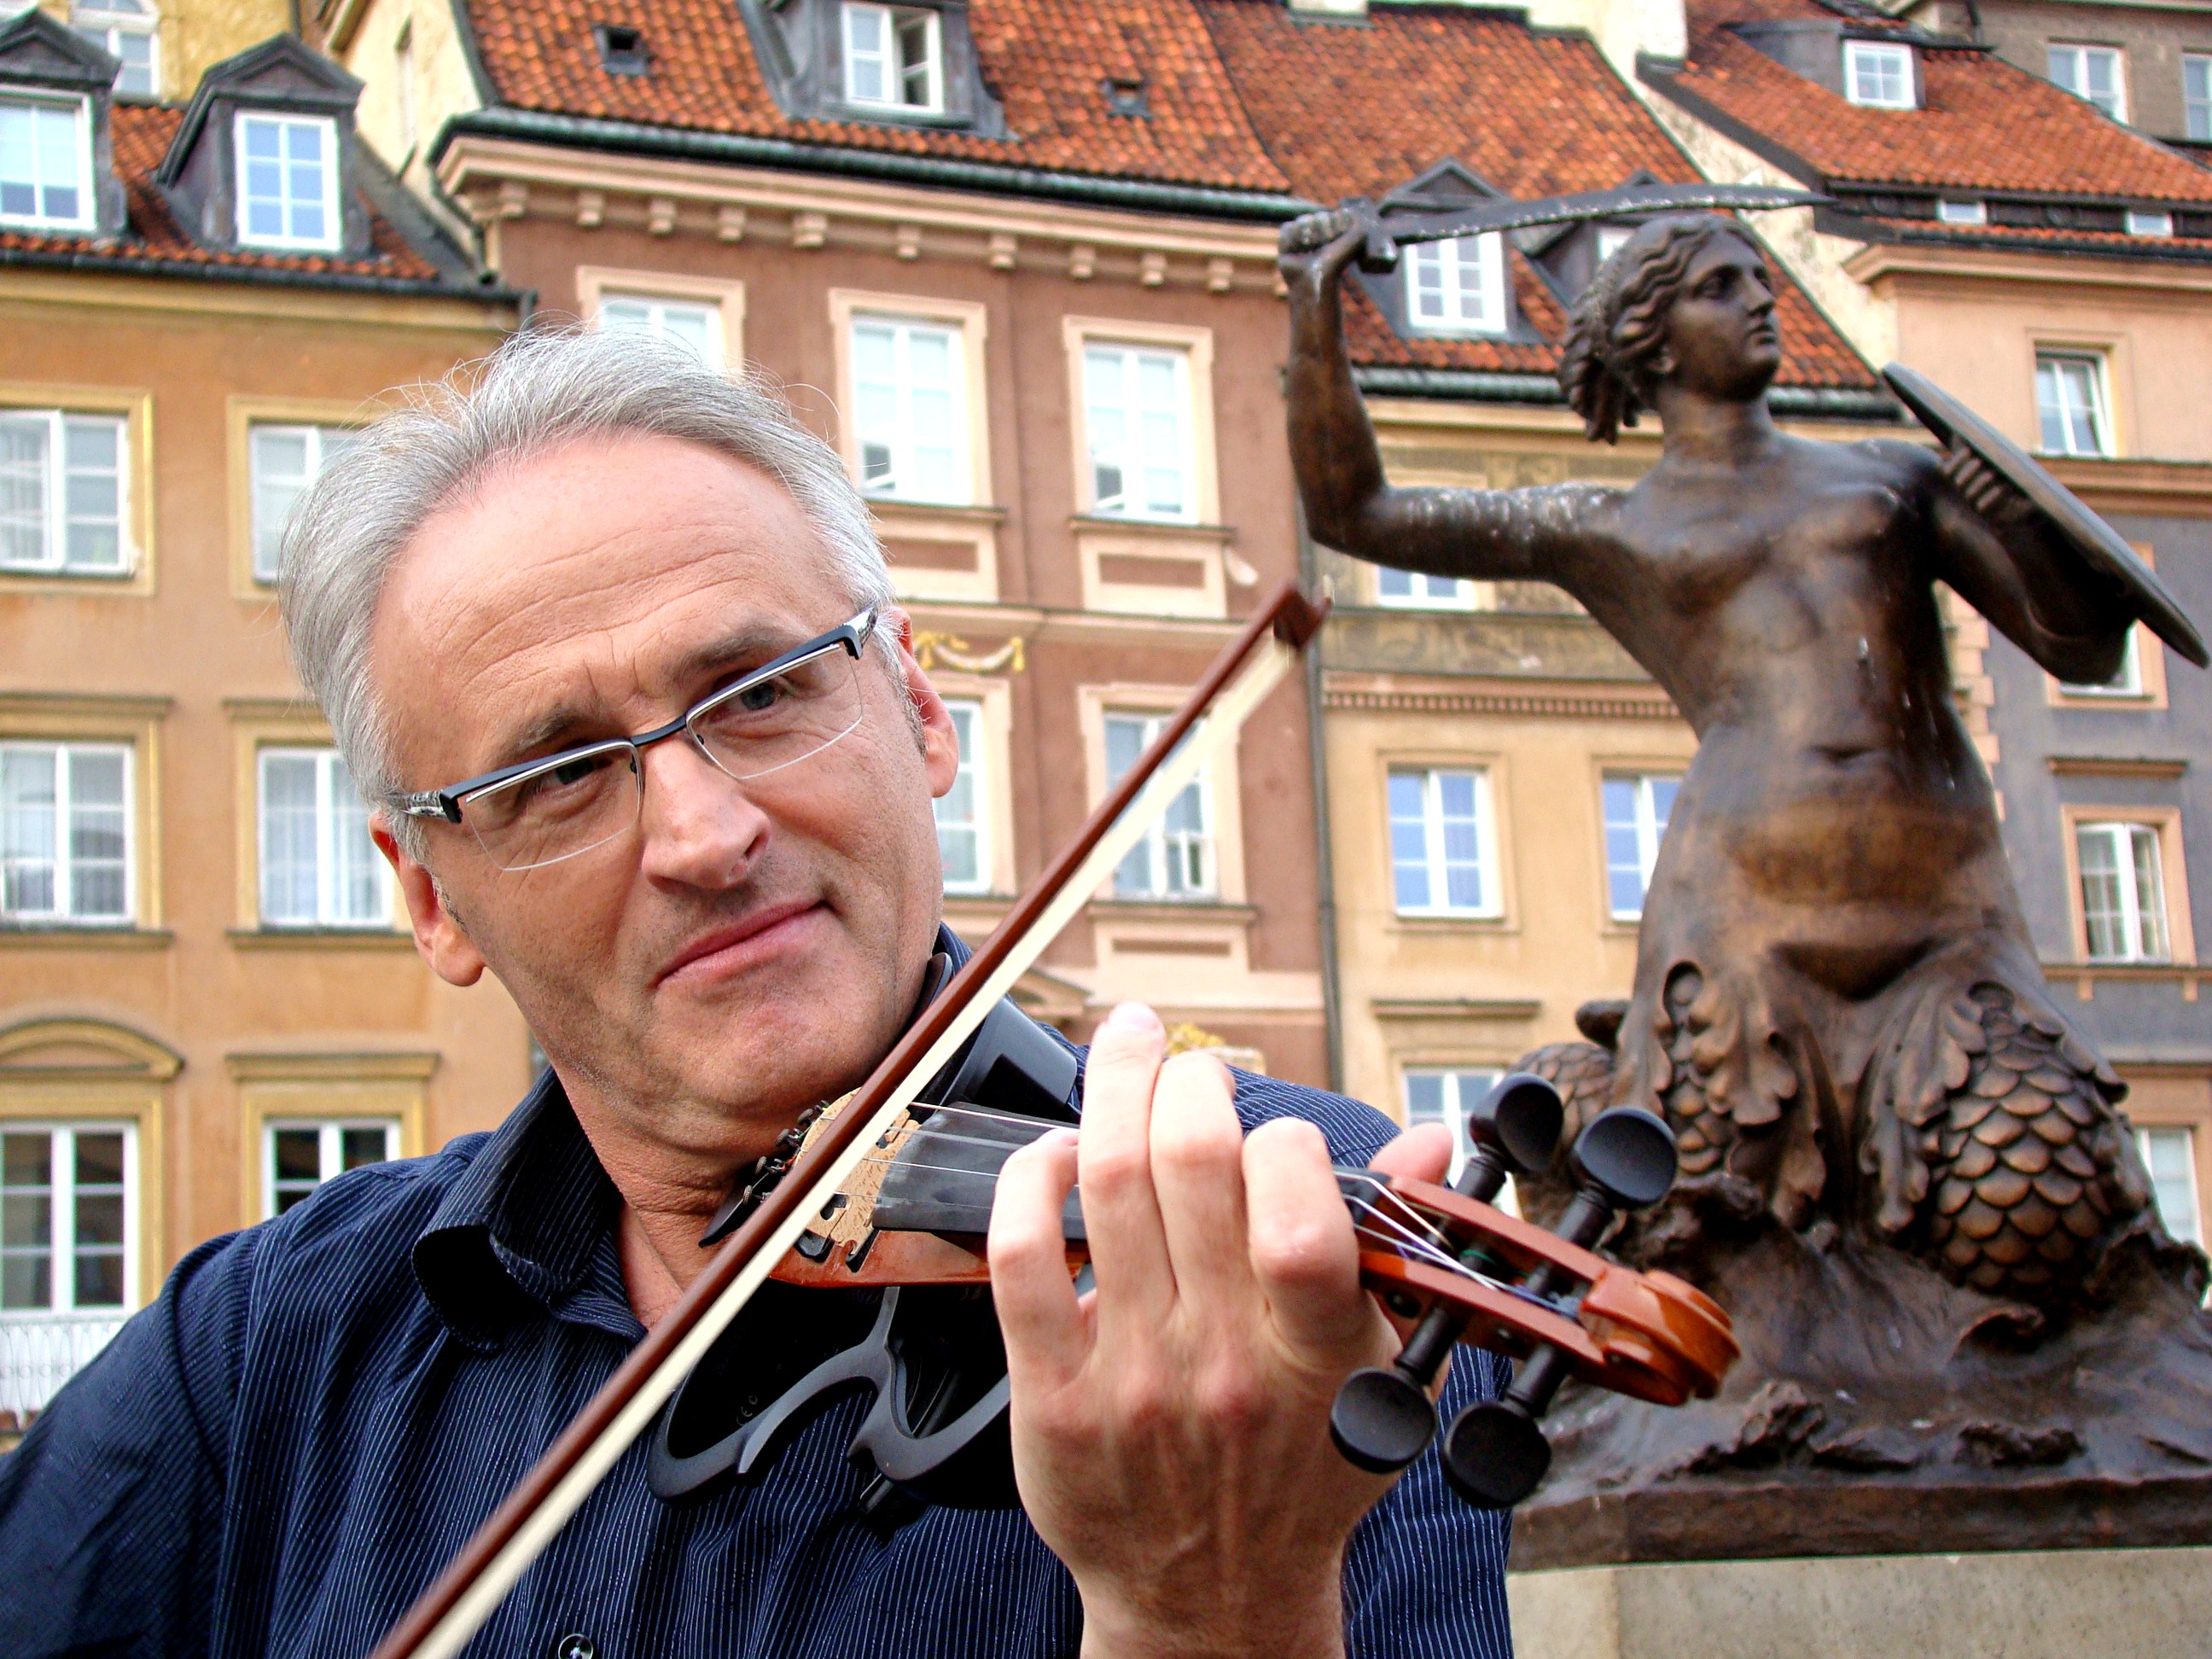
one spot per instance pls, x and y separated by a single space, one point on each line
1619 327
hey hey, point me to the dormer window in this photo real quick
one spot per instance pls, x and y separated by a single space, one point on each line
46 163
1457 287
1878 74
1950 212
287 182
894 56
123 28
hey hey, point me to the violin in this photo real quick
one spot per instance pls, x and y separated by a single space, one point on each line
911 1226
1441 1255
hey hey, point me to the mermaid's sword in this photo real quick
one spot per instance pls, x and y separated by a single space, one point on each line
1386 235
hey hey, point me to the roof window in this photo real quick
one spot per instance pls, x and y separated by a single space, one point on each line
46 163
1457 287
287 181
1129 96
125 30
2149 221
1878 75
622 49
894 56
1951 212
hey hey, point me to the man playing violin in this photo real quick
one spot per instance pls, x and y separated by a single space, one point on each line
557 621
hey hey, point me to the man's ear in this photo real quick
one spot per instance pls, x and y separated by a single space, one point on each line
438 935
940 739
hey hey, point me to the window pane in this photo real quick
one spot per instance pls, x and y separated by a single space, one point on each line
282 460
357 881
959 841
289 837
1409 842
1425 1097
26 1219
283 168
358 1147
2170 1155
2150 894
29 828
2103 904
24 443
2197 96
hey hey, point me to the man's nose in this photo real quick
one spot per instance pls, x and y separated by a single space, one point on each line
698 825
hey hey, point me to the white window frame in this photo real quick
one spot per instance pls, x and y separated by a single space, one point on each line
1951 212
333 230
1160 844
332 785
106 25
61 1238
1447 261
2122 837
895 70
2127 680
329 1150
1490 902
2192 1231
1127 358
56 559
1869 64
2075 78
657 307
1412 590
321 439
2149 222
898 439
1647 827
1460 1089
974 767
2056 360
87 215
2196 95
64 912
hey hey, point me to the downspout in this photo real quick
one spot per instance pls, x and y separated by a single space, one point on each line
1324 856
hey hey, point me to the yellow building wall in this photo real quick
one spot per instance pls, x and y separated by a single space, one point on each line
195 35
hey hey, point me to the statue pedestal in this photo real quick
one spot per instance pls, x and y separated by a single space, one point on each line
2029 1604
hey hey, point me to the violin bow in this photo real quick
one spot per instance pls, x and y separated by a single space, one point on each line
465 1595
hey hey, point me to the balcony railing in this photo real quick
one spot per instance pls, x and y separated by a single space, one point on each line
39 1352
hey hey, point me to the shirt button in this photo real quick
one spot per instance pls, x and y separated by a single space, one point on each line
575 1647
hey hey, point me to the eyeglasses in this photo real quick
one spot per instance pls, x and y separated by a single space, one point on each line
537 813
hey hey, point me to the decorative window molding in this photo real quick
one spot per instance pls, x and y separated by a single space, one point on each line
1878 74
1636 808
2096 74
266 437
1443 842
307 872
86 738
1219 820
2127 885
373 1089
707 314
905 363
1141 395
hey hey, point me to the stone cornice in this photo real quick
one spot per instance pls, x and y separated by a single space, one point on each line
1541 704
501 179
2040 267
2136 486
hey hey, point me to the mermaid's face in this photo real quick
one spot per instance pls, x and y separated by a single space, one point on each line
1721 334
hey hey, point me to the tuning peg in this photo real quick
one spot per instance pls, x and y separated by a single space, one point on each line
1384 1417
1494 1455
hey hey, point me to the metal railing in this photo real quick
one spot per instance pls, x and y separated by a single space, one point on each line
39 1352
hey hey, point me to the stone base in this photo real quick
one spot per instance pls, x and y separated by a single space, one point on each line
2042 1604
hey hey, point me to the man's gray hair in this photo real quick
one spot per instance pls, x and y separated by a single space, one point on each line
539 390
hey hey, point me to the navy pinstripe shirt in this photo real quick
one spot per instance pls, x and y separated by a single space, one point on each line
280 1453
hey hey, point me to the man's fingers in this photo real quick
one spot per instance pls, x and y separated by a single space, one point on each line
1046 1335
1198 1178
1303 1252
1114 1160
1422 1153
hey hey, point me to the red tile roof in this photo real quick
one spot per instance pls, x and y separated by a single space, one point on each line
1985 124
1359 112
141 133
1046 60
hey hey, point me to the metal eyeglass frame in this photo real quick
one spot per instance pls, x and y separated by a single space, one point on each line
851 637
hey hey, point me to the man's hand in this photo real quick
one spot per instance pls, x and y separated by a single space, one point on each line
1170 1428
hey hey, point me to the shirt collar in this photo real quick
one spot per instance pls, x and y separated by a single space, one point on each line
519 1228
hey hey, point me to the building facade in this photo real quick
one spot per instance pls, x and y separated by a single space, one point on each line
208 1000
2052 268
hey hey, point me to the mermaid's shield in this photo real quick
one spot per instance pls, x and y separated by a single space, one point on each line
2096 541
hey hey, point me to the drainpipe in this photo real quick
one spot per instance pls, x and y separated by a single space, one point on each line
1324 858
